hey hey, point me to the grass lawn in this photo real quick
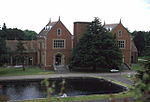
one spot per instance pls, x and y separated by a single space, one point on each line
136 67
82 98
19 71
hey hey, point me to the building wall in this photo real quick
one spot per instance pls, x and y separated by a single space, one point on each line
125 36
134 57
50 51
79 29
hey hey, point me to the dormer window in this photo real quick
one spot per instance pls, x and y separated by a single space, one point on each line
59 32
48 27
119 33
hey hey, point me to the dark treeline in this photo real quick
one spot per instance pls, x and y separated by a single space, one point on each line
142 42
17 34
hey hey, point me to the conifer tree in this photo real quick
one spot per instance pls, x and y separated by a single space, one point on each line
21 54
3 48
97 48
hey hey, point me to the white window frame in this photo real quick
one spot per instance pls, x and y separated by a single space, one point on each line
119 33
122 44
58 41
59 32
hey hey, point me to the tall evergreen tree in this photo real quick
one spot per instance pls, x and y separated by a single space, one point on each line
3 48
139 41
21 54
3 52
96 48
4 27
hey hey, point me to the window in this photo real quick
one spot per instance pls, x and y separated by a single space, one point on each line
59 32
121 44
39 44
59 43
119 33
43 44
48 27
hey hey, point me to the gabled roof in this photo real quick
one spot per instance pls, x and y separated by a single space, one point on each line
30 46
110 27
47 28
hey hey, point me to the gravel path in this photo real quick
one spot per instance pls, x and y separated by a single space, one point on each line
114 76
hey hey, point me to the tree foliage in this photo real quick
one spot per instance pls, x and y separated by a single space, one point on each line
17 34
142 86
30 35
3 49
96 48
20 53
142 42
14 34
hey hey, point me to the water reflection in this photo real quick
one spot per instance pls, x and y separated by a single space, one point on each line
31 89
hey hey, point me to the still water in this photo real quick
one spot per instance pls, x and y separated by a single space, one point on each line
74 86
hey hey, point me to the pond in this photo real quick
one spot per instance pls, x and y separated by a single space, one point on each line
74 86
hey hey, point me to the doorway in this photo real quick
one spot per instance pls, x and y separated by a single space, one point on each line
30 60
58 59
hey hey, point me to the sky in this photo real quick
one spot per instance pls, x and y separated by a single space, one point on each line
35 14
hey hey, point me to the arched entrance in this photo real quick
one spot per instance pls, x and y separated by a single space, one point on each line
58 59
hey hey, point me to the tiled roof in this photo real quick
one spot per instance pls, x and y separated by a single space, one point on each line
110 27
47 28
30 46
133 47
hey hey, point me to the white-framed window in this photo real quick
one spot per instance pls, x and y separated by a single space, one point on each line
59 32
59 43
119 33
121 44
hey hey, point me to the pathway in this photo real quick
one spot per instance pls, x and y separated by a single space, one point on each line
114 76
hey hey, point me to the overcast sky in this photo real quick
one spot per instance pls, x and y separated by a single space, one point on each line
35 14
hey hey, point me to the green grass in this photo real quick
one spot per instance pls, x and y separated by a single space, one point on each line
81 98
19 71
136 67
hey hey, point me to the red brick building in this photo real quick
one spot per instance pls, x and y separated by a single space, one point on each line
30 52
55 45
55 42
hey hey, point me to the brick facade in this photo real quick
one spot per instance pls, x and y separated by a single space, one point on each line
127 38
30 53
48 54
79 29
